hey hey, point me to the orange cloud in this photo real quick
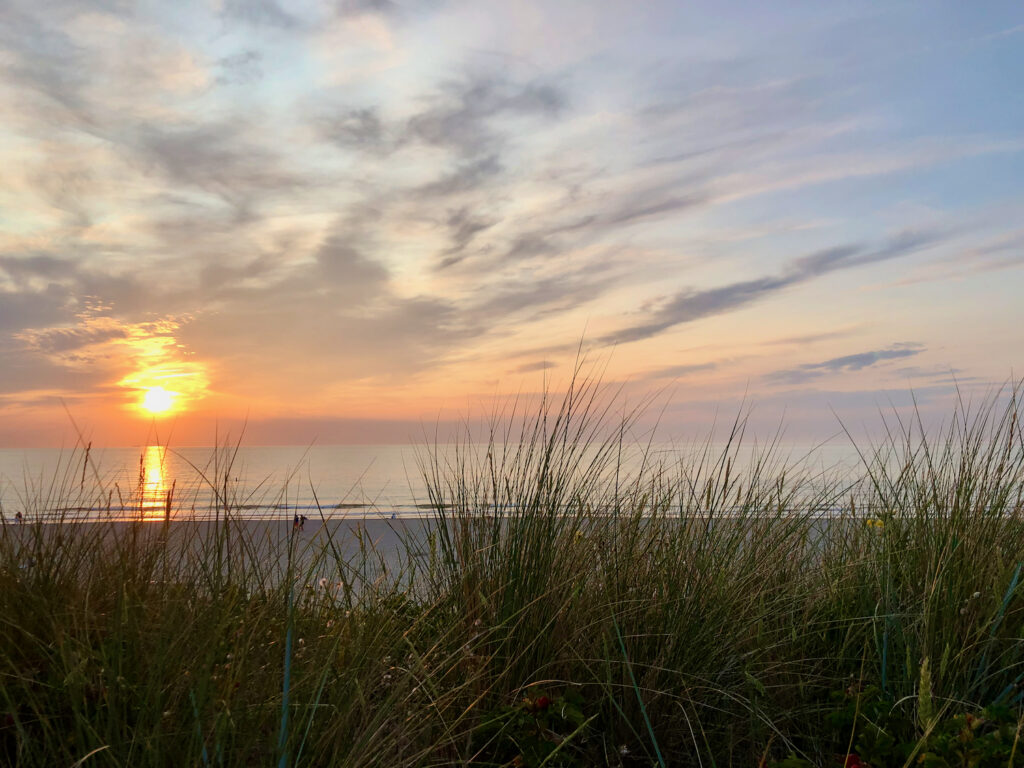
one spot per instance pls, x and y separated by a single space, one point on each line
138 357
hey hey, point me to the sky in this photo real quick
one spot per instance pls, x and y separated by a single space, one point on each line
347 221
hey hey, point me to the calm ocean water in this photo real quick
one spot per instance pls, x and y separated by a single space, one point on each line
259 481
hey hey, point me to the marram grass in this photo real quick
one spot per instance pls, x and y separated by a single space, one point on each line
562 611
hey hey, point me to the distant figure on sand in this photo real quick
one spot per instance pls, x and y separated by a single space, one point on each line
295 522
18 518
302 523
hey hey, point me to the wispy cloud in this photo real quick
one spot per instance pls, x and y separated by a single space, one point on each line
691 305
218 158
680 371
349 7
259 12
538 365
846 363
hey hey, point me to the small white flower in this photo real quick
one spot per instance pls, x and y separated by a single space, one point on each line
976 595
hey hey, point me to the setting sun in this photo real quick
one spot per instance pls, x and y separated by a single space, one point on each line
157 400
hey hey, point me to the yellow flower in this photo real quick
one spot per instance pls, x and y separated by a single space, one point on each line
875 523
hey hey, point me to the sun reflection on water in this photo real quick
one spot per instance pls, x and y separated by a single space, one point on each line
156 496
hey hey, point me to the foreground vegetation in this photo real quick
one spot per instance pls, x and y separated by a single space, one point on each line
729 611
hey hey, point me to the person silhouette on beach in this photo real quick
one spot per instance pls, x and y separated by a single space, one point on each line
18 518
295 523
302 523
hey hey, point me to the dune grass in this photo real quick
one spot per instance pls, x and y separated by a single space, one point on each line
573 605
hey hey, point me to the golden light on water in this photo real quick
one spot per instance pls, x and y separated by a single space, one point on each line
155 492
158 400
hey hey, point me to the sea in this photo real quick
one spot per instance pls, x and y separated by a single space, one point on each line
157 482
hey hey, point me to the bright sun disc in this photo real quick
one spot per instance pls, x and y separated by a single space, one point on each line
157 400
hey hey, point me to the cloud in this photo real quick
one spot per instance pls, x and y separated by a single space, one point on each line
538 365
466 177
333 316
357 7
218 158
27 308
242 68
325 343
864 359
644 208
347 270
55 341
809 338
49 291
360 129
598 219
680 371
26 371
941 375
260 12
25 270
463 227
95 353
65 68
1004 251
846 363
46 61
220 277
542 295
462 139
461 113
691 305
528 245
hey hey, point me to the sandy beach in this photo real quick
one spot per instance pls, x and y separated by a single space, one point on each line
369 546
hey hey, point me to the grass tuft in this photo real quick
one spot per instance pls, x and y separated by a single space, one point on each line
573 600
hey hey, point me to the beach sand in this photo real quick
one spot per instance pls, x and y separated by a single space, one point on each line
368 546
